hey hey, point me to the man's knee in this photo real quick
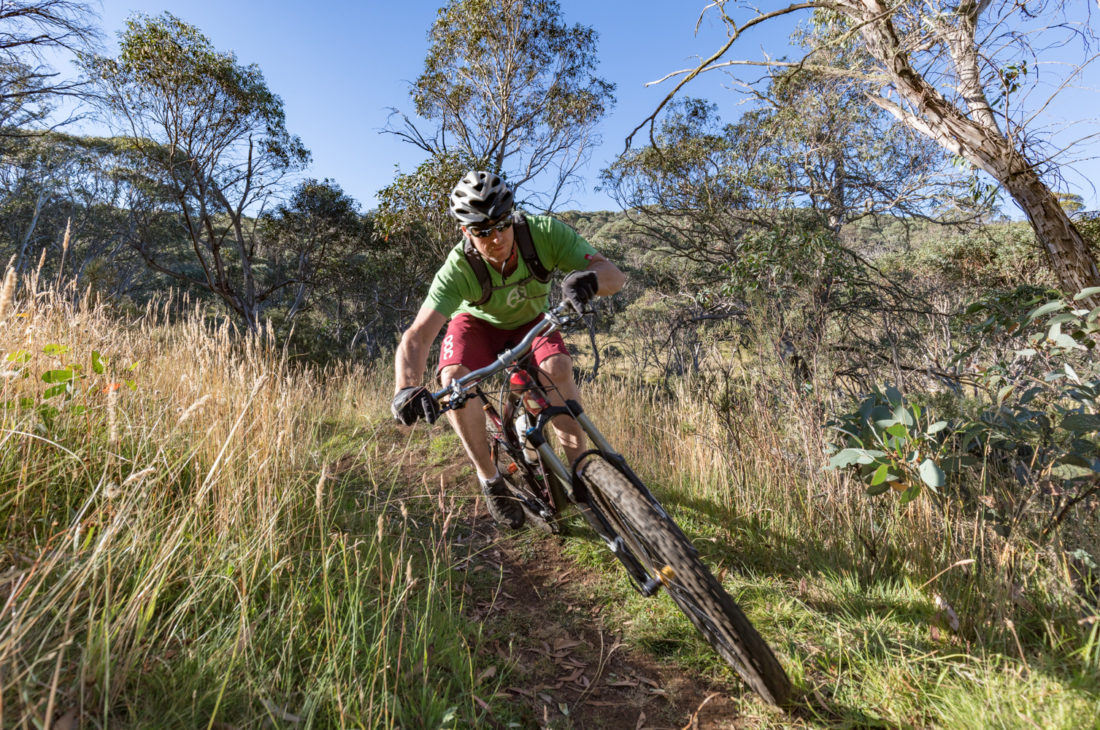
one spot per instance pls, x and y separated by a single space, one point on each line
559 368
452 372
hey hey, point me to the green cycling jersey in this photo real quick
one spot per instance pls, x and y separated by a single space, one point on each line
519 298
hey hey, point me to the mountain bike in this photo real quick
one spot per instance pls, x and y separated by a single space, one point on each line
611 498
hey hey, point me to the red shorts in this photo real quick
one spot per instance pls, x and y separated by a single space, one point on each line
475 343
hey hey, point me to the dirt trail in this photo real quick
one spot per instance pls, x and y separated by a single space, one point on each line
568 668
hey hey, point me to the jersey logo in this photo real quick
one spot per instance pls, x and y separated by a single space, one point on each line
514 296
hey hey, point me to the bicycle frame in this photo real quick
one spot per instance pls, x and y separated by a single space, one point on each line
617 505
460 390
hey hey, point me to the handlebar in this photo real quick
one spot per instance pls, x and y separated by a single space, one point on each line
556 319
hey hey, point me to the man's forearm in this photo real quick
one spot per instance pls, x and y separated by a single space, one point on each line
409 364
610 278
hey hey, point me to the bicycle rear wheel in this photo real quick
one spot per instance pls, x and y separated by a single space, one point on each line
522 482
656 541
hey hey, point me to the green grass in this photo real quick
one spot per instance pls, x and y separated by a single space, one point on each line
241 543
240 549
856 625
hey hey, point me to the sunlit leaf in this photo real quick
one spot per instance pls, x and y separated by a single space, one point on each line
1047 308
55 349
1088 292
58 376
932 475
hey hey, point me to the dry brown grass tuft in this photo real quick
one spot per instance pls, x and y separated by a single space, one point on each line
178 450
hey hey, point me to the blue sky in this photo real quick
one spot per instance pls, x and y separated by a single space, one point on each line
341 65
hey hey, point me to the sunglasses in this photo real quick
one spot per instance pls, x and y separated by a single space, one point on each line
503 225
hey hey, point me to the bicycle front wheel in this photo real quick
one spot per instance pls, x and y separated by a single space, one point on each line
658 543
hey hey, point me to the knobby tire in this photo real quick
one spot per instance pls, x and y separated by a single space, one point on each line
658 543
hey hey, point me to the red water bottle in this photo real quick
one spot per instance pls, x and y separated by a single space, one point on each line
522 386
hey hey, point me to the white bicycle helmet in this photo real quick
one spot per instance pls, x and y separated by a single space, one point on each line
480 197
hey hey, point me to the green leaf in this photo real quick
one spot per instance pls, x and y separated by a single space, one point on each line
55 349
910 494
55 390
1004 393
880 475
847 457
894 395
19 357
877 489
898 430
903 415
1085 558
58 376
879 413
98 363
1063 318
1055 331
1070 471
932 475
1067 342
1047 308
1081 422
936 428
953 464
1090 291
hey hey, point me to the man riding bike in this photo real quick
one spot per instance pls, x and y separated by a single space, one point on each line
495 284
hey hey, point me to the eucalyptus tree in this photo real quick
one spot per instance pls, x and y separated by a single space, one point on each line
763 199
761 204
510 84
312 238
29 29
209 139
967 74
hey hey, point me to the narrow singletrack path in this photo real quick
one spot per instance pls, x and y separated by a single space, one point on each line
569 667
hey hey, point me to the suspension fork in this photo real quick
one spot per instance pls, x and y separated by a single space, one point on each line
644 582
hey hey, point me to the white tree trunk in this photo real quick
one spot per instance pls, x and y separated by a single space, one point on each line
973 134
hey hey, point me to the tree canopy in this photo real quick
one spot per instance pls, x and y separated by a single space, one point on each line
210 138
955 71
518 95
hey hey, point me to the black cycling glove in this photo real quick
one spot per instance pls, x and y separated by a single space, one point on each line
578 288
413 403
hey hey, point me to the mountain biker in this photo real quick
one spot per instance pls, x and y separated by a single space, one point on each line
493 306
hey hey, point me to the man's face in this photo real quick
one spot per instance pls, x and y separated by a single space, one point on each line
495 246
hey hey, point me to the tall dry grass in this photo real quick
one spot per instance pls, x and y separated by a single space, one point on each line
861 595
199 533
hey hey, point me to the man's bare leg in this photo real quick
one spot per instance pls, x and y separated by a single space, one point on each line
571 436
469 423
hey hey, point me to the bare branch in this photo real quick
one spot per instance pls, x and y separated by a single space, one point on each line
691 74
